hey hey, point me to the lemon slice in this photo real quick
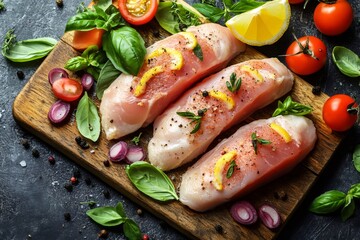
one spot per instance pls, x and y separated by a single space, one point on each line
263 25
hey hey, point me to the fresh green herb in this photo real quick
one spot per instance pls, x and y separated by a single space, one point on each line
256 140
97 17
215 14
108 74
2 5
114 216
125 48
347 61
333 200
289 107
234 84
91 60
151 181
195 118
136 139
198 52
175 17
87 119
26 50
356 157
231 169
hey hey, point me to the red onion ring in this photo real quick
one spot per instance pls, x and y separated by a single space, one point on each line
269 216
118 151
134 154
87 81
57 73
58 112
244 213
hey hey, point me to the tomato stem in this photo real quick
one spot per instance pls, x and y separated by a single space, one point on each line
304 49
351 109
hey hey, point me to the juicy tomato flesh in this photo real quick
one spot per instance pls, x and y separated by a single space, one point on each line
333 18
335 112
67 89
138 12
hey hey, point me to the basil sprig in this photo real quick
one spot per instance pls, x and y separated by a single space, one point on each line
91 60
289 107
347 61
334 200
234 84
255 140
26 50
195 118
125 48
113 216
96 17
87 119
151 181
215 14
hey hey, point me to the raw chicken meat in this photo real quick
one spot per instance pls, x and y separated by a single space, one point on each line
257 153
170 67
174 143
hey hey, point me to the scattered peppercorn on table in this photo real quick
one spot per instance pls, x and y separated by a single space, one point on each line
45 194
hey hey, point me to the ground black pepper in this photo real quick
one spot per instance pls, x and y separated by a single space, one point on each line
67 216
20 74
35 153
219 229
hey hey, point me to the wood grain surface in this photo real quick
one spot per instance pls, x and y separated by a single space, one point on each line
31 107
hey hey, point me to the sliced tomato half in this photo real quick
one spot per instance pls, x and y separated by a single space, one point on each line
67 89
138 12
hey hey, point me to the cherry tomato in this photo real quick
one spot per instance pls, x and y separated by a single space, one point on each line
67 89
138 12
296 1
340 112
312 56
333 18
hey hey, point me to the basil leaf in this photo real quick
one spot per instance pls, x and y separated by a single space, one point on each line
125 48
132 230
83 21
76 64
104 4
106 216
328 202
107 75
356 157
151 181
28 50
347 61
349 208
244 6
289 107
87 119
214 14
120 210
355 190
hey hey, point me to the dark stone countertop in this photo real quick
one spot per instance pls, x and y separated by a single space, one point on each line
32 198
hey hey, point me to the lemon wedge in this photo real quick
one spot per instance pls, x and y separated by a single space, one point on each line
281 131
263 25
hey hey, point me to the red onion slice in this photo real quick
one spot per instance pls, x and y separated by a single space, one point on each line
59 111
269 216
57 73
244 212
134 154
87 81
118 151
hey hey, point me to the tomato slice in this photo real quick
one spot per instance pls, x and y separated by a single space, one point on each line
67 89
138 12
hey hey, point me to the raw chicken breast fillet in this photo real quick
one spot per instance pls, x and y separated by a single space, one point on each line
205 184
262 82
170 67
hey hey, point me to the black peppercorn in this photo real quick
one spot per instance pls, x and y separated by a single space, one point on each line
67 216
316 90
35 153
106 163
20 74
25 143
51 159
219 229
81 142
87 181
106 194
60 3
103 234
156 33
68 187
205 93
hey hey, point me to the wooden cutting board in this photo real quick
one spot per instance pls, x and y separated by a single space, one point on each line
31 107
